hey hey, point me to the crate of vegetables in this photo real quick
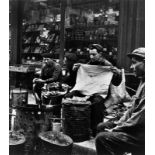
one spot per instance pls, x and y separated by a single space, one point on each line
53 93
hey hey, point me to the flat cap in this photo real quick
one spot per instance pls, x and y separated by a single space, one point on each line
139 52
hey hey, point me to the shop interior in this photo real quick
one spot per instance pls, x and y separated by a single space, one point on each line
56 28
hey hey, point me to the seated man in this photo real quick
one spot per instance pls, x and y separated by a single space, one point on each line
97 108
128 134
97 56
50 72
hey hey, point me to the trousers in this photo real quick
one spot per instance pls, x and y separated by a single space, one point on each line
97 112
116 143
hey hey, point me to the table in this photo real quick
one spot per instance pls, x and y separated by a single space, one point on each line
21 76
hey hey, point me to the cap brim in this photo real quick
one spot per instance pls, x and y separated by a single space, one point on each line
130 55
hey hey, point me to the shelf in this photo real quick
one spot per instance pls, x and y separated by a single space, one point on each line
41 23
55 31
96 40
90 27
31 53
31 44
36 31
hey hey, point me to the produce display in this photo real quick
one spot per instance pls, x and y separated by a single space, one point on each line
54 89
56 138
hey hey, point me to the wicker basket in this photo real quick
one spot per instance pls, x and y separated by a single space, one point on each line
76 122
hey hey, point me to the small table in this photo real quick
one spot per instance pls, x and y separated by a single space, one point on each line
21 75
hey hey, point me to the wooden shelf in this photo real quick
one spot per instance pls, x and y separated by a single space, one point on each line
36 31
31 44
41 23
85 27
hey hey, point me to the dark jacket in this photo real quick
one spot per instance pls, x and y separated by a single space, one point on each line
51 72
101 62
133 121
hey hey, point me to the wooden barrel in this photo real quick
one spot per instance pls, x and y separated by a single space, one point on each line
25 120
16 143
76 121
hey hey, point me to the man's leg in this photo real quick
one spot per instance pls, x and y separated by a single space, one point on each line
37 92
116 143
97 112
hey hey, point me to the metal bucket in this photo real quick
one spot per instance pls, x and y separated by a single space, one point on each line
19 97
56 126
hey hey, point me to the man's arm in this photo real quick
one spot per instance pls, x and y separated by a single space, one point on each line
55 75
126 116
107 63
137 118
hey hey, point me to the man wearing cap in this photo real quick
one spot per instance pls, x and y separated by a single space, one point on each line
96 56
50 72
97 106
128 135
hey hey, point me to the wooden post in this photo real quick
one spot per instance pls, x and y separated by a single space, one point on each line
62 31
16 16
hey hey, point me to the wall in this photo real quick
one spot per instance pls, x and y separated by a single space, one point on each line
131 29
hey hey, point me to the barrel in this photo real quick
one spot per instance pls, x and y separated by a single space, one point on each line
76 122
54 143
26 120
52 102
16 143
19 97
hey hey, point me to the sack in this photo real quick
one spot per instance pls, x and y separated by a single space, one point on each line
119 93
